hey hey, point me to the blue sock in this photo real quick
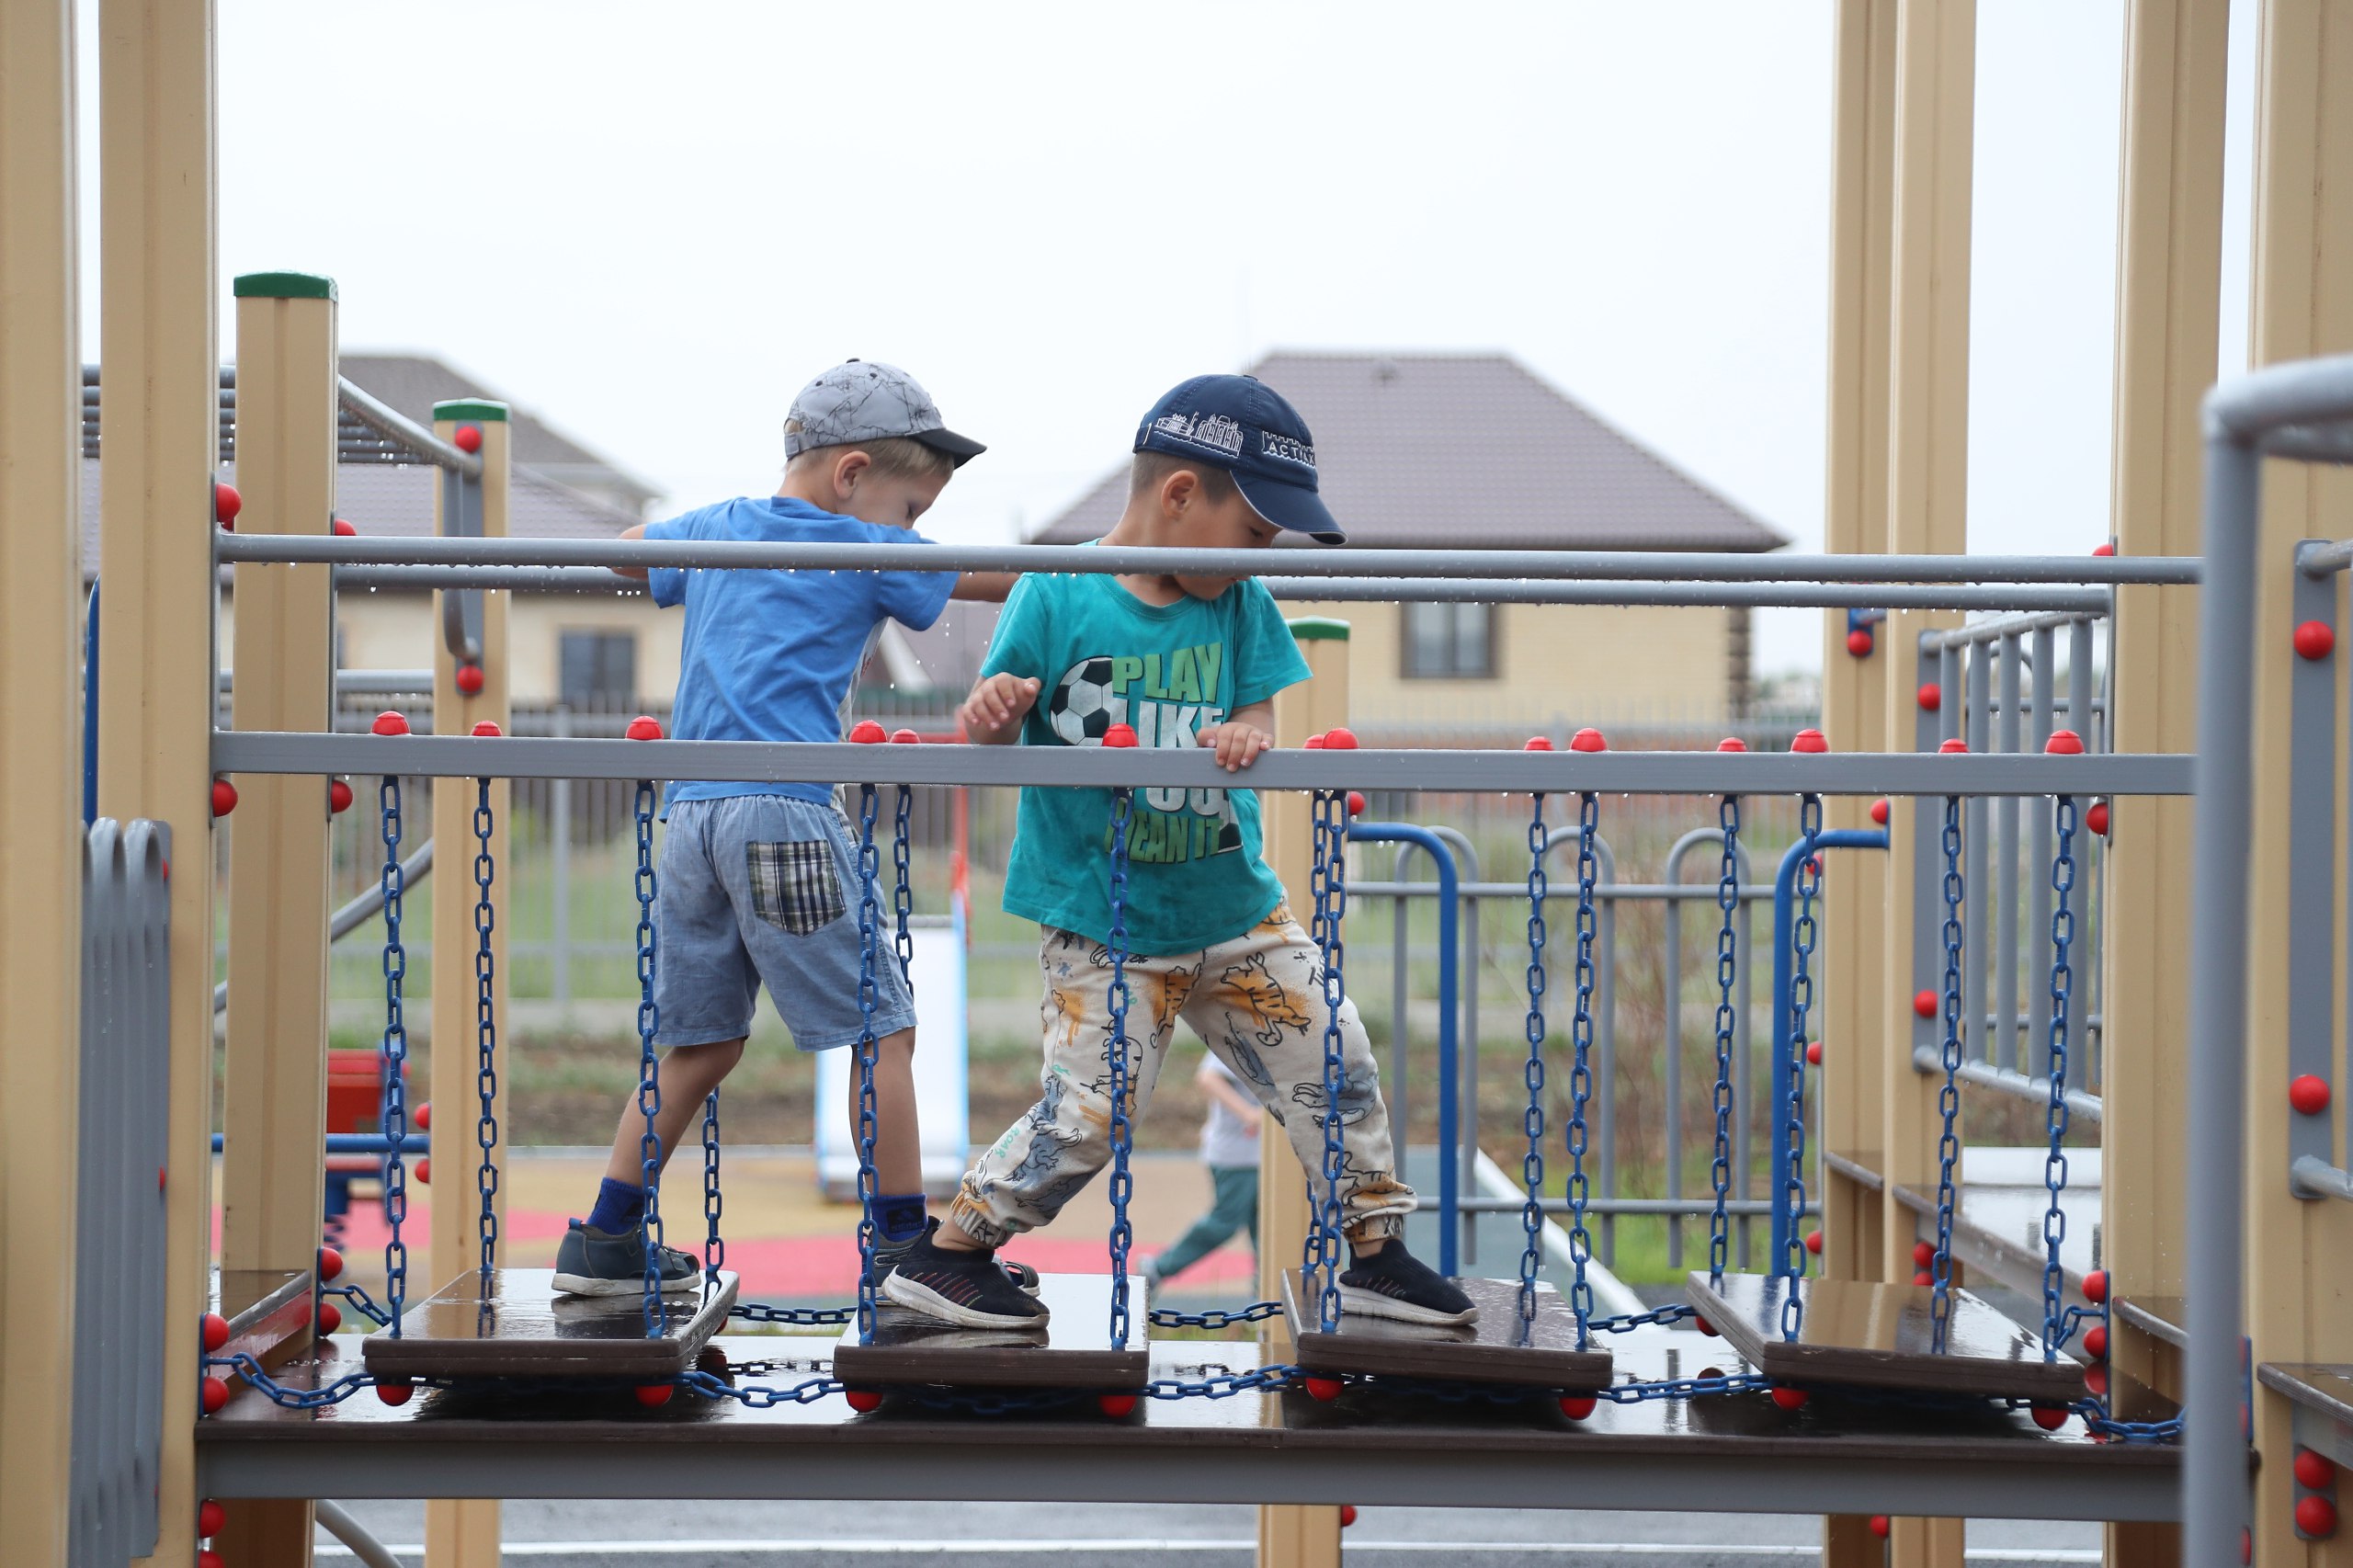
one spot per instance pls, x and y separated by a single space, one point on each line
899 1216
618 1205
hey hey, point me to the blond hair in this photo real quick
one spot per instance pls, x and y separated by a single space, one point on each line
892 457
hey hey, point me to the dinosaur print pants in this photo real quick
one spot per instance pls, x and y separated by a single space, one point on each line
1258 1003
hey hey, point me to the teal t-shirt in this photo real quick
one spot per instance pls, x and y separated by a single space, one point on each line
1103 656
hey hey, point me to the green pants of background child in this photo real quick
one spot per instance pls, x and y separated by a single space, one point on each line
1230 1149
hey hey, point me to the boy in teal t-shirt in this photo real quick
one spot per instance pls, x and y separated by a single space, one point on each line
1222 462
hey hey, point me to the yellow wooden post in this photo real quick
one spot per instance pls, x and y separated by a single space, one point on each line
40 793
158 340
1855 1219
1928 449
273 1112
2168 287
2300 1253
464 1532
1294 1536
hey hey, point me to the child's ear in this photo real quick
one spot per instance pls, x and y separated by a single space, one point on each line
848 470
1176 492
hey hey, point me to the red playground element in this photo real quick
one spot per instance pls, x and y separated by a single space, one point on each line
653 1395
2308 1094
2096 1342
209 1558
1313 743
425 1170
1704 1325
2106 549
2314 1472
1347 1514
224 797
1879 1526
1810 741
2315 640
394 1391
1814 1053
425 1115
211 1518
1342 739
338 795
487 728
1587 740
867 733
1578 1407
212 1332
226 505
1117 1406
1731 743
1924 1253
1120 736
1923 1276
645 727
2095 1381
330 1318
2096 817
2050 1417
2315 1516
468 439
1858 642
1356 802
1925 1005
1537 743
330 1265
1814 1243
863 1400
1789 1399
1878 812
2096 1287
343 529
468 679
388 722
1931 697
906 738
213 1395
1324 1390
1952 747
2064 742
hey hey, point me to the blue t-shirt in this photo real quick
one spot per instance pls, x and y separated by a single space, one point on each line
770 656
1104 656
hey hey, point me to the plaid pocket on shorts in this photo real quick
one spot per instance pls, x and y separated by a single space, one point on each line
794 886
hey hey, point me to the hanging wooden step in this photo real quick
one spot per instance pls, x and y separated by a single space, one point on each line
1500 1348
518 1327
1072 1350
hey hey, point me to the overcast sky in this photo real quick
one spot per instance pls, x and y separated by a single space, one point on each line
651 224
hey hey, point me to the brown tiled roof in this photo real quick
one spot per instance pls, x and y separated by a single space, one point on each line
1470 451
413 383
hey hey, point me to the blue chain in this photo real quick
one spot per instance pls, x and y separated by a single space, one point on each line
395 1118
1531 1166
902 898
869 998
1793 1113
714 1250
1949 1094
1727 1018
649 1068
1581 1067
1116 1050
2063 987
1330 809
485 1031
1673 1313
1256 1312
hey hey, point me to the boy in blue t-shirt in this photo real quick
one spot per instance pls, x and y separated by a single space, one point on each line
756 880
1222 462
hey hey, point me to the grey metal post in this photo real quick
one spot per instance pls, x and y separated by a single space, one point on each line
2214 1472
1742 1062
1673 985
2007 1045
2038 865
1605 1062
560 928
1977 915
1948 707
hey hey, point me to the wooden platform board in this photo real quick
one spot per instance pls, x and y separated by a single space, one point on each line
1072 1351
521 1328
268 1312
1498 1348
1865 1333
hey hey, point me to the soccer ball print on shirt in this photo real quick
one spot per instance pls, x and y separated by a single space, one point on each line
1167 697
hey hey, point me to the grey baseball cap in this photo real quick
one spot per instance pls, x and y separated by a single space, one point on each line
865 400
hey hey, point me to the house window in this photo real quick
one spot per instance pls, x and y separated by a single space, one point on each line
599 669
1450 641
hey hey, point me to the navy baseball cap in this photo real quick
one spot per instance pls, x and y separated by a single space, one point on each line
1242 425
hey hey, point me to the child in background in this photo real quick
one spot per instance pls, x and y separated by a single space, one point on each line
1222 462
1230 1149
756 880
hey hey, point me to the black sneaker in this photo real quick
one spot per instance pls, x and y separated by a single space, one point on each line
968 1288
590 1262
887 1254
1394 1283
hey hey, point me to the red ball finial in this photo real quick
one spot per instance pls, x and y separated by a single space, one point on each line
211 1518
1347 1514
2107 547
330 1264
2096 817
863 1400
338 795
226 505
212 1331
1313 743
468 439
1587 741
1810 741
653 1395
2064 742
1953 747
1119 737
468 679
1537 743
1356 804
1324 1390
1341 739
1924 1254
644 727
2308 1094
215 1394
487 728
1814 1053
1930 697
1924 1005
330 1318
2316 1470
2096 1342
1858 642
1704 1326
1879 1526
1789 1399
388 722
208 1558
2096 1287
2095 1381
425 1116
1578 1407
424 1171
343 529
2050 1417
394 1391
867 733
2315 1516
1814 1243
1878 812
1117 1406
224 797
1731 743
2315 640
906 738
1923 1276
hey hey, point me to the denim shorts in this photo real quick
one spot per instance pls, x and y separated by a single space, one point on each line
764 888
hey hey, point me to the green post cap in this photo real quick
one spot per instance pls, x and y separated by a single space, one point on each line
284 285
470 408
1318 628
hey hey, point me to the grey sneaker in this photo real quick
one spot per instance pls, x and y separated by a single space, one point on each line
596 1263
1394 1283
888 1254
970 1290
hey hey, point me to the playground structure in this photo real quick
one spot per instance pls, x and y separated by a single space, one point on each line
2222 937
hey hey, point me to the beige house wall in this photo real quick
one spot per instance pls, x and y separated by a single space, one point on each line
1567 664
